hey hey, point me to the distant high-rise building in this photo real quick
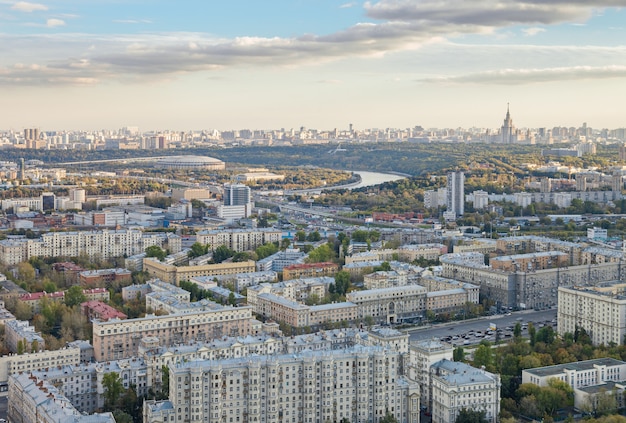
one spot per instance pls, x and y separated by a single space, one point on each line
236 195
237 202
22 169
508 130
455 196
622 153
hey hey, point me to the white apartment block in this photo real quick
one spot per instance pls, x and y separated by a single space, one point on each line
422 355
360 384
102 244
600 311
457 386
34 400
238 239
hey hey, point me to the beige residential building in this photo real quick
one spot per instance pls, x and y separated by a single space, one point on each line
390 305
174 274
383 279
425 251
117 339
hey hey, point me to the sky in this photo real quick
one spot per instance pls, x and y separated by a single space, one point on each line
324 64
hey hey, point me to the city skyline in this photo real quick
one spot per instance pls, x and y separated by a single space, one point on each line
325 64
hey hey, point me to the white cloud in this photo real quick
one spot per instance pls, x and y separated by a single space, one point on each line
529 76
348 5
529 32
132 21
24 6
53 23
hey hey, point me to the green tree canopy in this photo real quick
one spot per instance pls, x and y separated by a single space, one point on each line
156 251
471 416
74 296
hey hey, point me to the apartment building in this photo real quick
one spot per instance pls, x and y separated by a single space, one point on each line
174 274
118 339
33 400
600 311
425 251
104 277
422 355
534 244
295 290
309 270
21 337
239 239
385 279
276 262
525 288
359 384
390 305
530 261
457 386
28 362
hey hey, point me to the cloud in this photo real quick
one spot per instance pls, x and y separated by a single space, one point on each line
490 13
529 32
401 25
348 5
53 23
132 21
529 76
24 6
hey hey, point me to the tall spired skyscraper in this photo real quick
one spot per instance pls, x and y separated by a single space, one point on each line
508 130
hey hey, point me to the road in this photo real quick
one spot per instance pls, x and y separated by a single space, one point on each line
501 321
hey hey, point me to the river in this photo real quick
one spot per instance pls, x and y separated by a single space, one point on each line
369 179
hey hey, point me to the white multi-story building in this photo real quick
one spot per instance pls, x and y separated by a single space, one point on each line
455 195
34 400
359 384
578 374
600 311
101 244
457 386
238 239
481 199
422 355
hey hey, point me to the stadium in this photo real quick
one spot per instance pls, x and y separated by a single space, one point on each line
191 163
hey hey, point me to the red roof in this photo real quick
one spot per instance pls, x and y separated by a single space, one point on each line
102 311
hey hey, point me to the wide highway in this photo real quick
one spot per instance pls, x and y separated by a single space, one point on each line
457 328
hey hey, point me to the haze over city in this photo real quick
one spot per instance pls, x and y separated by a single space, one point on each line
249 64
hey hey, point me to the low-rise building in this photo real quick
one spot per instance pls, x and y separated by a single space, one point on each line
98 310
390 305
174 274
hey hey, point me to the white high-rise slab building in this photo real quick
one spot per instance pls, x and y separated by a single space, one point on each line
455 196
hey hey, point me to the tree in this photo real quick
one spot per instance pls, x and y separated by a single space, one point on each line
222 253
517 331
458 354
342 282
313 236
301 236
113 389
20 347
471 416
483 356
198 250
74 296
321 254
156 251
389 418
26 273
